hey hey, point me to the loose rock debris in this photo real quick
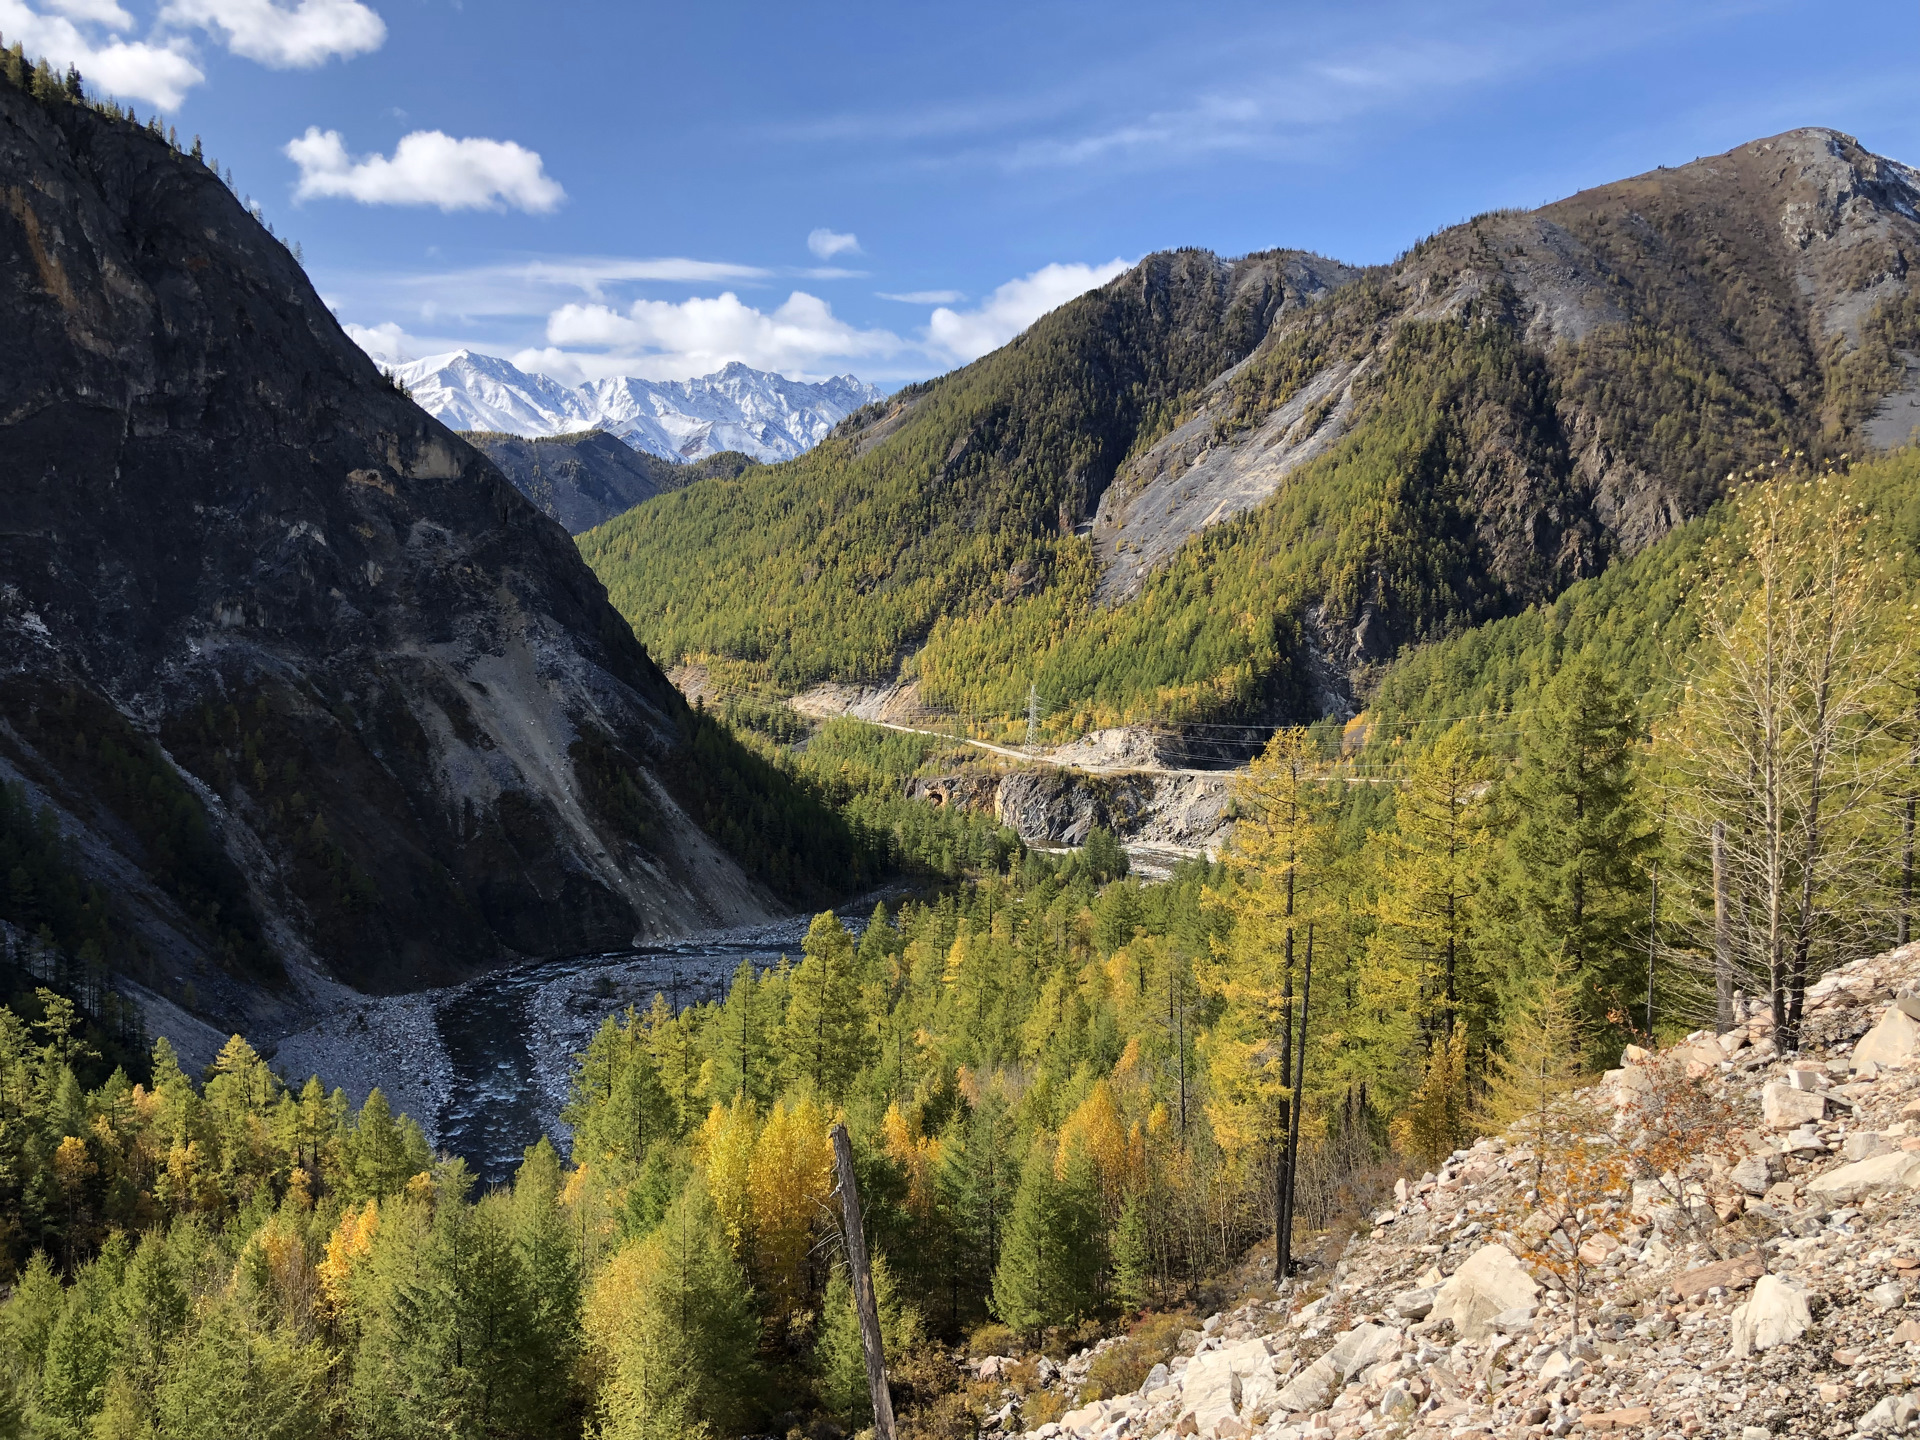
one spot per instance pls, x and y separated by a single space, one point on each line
1767 1289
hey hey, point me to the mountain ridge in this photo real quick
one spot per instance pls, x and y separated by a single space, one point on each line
1414 449
755 412
586 478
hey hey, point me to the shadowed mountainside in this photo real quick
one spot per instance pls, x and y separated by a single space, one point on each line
303 680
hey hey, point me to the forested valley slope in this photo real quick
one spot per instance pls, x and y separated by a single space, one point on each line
1219 490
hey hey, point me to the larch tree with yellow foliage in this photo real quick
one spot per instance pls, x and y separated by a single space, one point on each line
1282 853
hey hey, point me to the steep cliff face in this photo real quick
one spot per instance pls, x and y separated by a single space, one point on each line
417 736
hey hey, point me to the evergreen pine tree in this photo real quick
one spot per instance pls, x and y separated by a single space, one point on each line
1049 1265
1132 1255
840 1360
829 1036
1579 836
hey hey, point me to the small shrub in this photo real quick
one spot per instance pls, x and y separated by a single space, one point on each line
1121 1369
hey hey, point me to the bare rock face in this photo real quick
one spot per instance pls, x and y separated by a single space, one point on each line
421 740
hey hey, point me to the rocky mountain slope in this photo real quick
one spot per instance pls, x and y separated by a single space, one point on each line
737 408
1761 267
1768 1284
1356 462
308 687
586 479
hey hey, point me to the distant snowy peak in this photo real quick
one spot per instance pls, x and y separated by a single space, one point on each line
738 408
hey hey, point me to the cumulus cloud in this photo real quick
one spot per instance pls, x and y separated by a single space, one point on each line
828 243
969 334
287 38
427 168
662 339
387 343
134 70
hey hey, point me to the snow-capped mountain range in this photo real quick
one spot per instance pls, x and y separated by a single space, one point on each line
739 408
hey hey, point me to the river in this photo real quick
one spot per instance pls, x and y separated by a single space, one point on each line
510 1036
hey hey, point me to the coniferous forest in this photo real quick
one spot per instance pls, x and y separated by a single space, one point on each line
1069 1092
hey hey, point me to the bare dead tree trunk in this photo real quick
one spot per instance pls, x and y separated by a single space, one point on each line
1722 933
1906 876
1293 1133
864 1303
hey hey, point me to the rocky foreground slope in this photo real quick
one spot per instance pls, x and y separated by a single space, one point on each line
307 684
1771 1286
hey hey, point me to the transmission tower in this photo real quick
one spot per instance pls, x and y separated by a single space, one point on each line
1033 715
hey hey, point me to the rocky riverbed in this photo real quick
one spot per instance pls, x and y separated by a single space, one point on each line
484 1066
1767 1286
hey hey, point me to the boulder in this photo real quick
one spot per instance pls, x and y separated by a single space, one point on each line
1888 1295
1893 1413
1211 1391
1362 1347
1735 1274
1489 1282
1899 1169
1753 1174
1894 1041
1414 1304
1218 1383
1865 1144
1784 1106
1558 1367
1630 1419
1085 1420
1776 1315
1310 1390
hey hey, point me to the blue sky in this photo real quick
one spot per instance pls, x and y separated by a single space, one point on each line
595 188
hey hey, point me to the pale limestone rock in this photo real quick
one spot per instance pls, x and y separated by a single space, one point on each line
1364 1346
1899 1169
1210 1392
1489 1282
1894 1041
1865 1144
1784 1106
1414 1304
1558 1367
1311 1389
1776 1315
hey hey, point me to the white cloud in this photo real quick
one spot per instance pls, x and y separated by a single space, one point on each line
96 12
305 35
828 243
924 297
427 168
660 339
967 335
133 70
387 343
